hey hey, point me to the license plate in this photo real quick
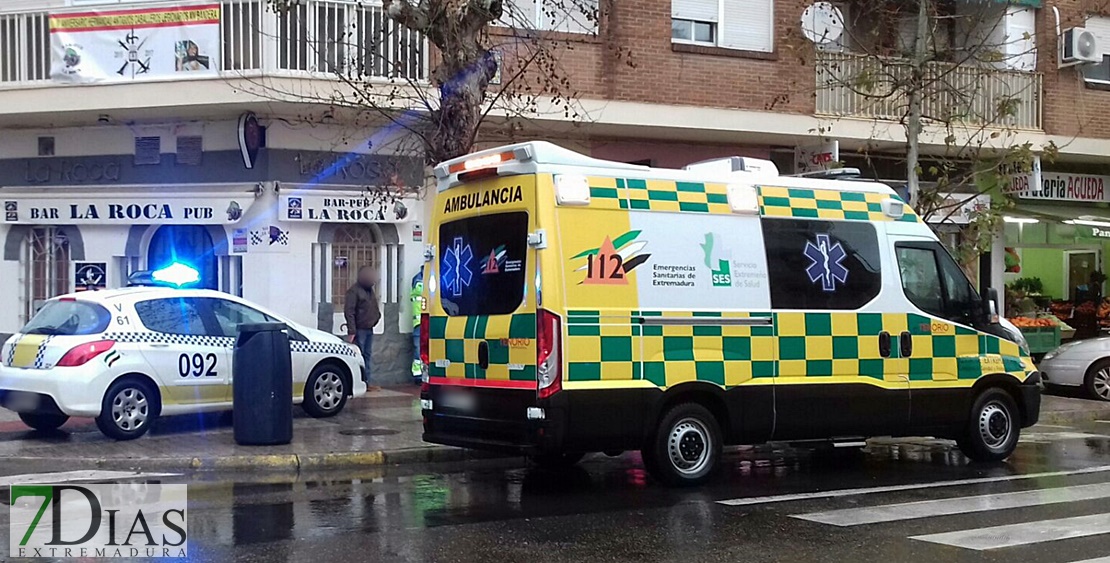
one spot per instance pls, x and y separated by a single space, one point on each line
458 400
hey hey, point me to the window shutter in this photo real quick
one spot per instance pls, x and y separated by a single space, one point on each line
1100 26
699 10
519 14
1021 53
747 25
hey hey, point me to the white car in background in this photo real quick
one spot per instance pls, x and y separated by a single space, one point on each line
1083 363
127 356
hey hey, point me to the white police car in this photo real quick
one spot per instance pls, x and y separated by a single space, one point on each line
126 356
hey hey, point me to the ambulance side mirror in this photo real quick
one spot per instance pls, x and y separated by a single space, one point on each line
990 305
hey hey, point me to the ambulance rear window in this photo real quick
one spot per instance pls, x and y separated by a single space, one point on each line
481 264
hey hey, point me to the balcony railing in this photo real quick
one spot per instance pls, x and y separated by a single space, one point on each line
311 37
851 85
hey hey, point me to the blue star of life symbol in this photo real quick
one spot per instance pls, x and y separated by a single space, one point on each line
456 267
825 263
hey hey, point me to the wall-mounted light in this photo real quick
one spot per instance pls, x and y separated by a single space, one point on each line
1021 220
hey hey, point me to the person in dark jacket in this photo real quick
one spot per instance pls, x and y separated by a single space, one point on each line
362 313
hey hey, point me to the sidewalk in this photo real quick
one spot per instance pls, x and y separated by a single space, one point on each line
382 428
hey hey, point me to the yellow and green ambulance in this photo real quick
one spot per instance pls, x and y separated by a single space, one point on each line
578 305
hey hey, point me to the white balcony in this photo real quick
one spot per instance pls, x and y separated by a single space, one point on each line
864 87
270 56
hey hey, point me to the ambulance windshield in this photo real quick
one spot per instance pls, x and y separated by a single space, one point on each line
481 264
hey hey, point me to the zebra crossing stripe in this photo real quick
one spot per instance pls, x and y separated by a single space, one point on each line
1025 533
961 505
895 488
1096 560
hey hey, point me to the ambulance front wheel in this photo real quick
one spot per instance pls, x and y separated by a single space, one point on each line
686 447
993 428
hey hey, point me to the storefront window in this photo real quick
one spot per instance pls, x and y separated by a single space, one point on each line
46 256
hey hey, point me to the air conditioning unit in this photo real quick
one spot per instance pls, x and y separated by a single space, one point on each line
1079 46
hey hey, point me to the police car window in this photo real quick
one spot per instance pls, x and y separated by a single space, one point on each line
172 316
481 264
68 318
230 315
920 278
822 264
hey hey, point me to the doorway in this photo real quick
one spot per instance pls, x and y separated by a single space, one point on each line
186 244
353 247
1079 264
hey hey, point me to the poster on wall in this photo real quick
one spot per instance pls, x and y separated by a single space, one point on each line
113 45
90 276
1012 260
814 158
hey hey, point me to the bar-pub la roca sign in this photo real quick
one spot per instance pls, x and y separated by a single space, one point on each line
125 210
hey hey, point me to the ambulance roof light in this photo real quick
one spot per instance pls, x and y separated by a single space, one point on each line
482 160
743 199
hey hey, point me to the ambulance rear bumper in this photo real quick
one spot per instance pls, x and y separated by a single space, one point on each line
498 422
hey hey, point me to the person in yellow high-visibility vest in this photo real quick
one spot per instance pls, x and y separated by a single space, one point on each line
417 298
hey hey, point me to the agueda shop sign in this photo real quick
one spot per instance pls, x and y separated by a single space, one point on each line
1061 186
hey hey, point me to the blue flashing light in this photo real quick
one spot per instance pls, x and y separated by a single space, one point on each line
176 274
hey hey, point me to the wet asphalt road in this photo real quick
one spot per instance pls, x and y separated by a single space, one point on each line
607 509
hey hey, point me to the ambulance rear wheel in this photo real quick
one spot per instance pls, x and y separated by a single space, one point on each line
686 448
993 428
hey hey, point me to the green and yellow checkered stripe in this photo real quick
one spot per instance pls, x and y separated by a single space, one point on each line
607 346
511 341
712 198
807 347
826 204
658 195
846 345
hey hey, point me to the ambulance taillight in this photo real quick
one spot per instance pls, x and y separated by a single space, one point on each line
425 327
549 365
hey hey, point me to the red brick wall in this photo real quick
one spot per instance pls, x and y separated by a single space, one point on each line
1070 108
638 32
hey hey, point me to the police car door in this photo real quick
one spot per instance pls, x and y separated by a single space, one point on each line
187 350
229 315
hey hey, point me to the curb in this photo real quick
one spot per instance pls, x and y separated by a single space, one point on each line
285 463
1086 415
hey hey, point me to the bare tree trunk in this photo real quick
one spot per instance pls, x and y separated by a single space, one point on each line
916 98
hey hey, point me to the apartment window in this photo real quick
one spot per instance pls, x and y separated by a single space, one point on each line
744 25
694 31
24 47
569 16
1098 76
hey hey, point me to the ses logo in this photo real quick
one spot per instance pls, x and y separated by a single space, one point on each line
136 520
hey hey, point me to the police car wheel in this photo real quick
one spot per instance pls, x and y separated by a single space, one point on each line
686 448
129 408
325 392
43 422
993 429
